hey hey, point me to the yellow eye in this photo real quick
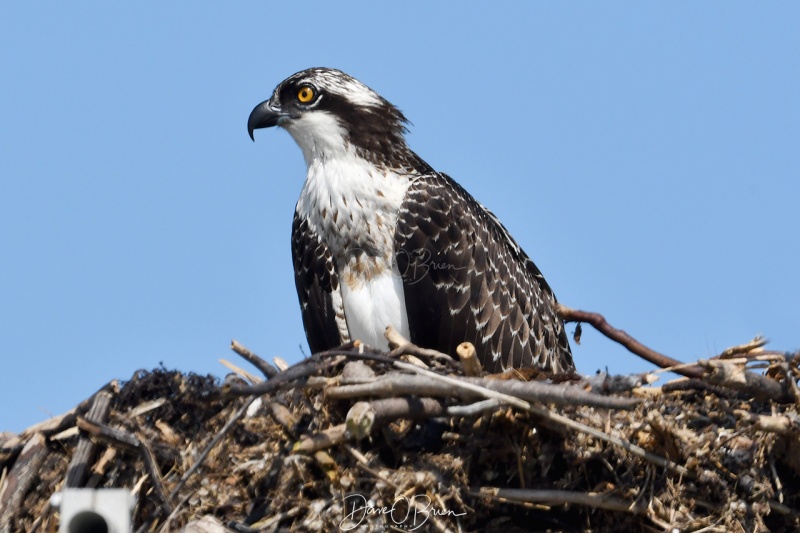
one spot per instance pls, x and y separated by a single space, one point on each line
305 94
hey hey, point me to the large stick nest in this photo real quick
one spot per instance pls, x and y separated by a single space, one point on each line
303 448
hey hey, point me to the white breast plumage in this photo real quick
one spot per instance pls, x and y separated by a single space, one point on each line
353 207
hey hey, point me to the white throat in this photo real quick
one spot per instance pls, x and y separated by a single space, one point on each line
318 134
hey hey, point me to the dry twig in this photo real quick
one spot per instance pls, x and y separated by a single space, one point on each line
398 383
211 445
76 472
363 417
135 443
736 377
561 497
20 479
555 418
267 369
399 345
600 324
754 346
282 380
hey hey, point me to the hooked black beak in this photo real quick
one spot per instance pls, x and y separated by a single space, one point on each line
262 116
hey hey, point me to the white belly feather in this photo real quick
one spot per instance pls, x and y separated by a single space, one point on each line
372 305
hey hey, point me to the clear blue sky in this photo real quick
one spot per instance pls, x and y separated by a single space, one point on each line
645 154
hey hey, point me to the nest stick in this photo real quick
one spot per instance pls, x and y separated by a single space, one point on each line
23 474
267 369
395 384
600 324
76 472
217 438
555 418
561 497
399 345
134 443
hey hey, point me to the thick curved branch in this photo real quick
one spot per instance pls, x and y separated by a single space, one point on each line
600 324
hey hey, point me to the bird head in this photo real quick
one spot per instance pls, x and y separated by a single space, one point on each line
329 113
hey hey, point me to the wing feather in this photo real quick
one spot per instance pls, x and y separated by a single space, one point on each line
465 278
317 289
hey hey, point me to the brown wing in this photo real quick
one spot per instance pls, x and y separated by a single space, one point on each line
465 279
317 287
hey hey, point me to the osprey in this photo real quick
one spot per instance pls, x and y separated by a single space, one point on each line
379 238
